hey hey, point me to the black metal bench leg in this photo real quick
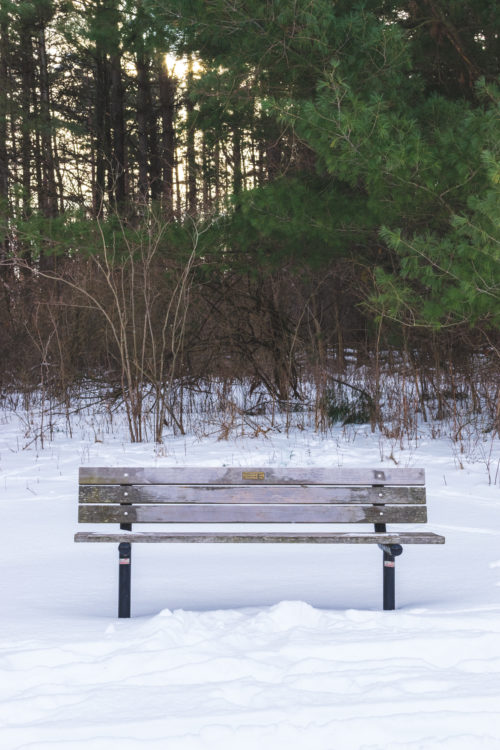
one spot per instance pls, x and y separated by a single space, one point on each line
389 581
125 560
389 573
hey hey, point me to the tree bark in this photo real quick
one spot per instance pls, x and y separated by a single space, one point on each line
4 159
49 189
167 88
101 128
4 103
237 174
191 157
26 45
118 130
144 116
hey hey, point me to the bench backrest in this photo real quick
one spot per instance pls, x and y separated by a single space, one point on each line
241 495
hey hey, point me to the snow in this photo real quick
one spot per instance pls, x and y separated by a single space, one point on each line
247 646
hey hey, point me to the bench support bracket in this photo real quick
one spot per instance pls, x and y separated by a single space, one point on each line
124 567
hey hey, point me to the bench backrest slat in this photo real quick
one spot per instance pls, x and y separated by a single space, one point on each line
228 495
225 494
252 514
250 476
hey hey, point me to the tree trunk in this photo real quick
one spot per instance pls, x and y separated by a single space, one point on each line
4 163
273 158
167 88
49 191
26 46
101 128
191 158
144 116
217 177
4 103
237 175
154 156
118 130
206 180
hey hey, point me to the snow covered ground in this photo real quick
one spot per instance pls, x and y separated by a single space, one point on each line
247 647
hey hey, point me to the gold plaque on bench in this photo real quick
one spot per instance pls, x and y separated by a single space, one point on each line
253 475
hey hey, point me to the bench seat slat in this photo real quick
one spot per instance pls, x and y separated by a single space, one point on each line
252 514
145 494
304 537
250 476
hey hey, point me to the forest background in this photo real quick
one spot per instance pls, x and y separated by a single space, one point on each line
295 201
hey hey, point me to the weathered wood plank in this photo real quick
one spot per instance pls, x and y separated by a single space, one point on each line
291 494
252 514
273 537
242 476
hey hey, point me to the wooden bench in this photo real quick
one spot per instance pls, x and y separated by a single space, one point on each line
241 496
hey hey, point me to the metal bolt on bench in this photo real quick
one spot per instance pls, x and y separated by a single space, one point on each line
128 496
